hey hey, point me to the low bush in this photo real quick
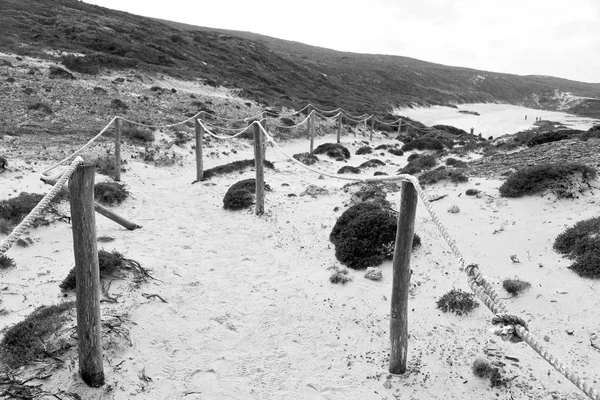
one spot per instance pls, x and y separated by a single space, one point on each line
580 243
563 179
482 368
59 73
419 164
515 286
25 341
241 195
472 192
306 158
287 121
424 143
457 301
339 276
440 174
453 162
138 134
450 129
91 64
396 152
552 136
15 209
364 236
109 263
6 226
119 105
110 192
6 262
234 166
364 150
105 165
348 169
181 138
413 157
374 163
333 150
41 107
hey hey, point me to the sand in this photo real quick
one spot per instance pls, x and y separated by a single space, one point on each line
251 314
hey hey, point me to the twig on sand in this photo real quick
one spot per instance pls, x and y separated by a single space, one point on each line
437 198
149 296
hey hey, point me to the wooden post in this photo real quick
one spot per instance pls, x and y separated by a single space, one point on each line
472 131
264 125
339 130
100 209
87 274
260 169
399 126
311 127
309 109
365 126
401 281
117 149
199 140
372 127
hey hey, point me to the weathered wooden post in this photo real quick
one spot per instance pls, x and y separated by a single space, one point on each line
311 124
339 128
87 275
199 139
260 170
372 127
365 126
401 281
263 122
117 149
472 131
309 109
399 126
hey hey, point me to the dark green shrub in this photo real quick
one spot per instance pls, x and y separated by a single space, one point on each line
138 134
457 301
287 121
6 262
234 166
382 147
364 150
396 152
472 192
110 192
333 150
440 174
306 158
515 286
348 169
44 108
557 177
374 163
15 209
348 215
413 157
59 73
6 226
453 162
419 164
482 368
92 63
119 105
424 143
450 129
106 165
241 194
581 243
24 341
552 136
181 138
339 276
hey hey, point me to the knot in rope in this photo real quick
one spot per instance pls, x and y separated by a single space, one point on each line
507 330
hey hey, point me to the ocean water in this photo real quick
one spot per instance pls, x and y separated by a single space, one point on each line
494 119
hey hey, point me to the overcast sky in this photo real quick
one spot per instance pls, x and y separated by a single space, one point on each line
542 37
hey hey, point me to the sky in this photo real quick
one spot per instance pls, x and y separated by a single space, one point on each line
526 37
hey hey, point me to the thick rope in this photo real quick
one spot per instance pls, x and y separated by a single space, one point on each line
208 131
259 115
326 111
271 123
92 140
37 210
481 287
221 128
329 118
163 126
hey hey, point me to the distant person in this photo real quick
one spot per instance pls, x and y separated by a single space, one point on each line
526 118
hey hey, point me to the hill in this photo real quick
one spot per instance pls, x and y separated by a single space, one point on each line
269 70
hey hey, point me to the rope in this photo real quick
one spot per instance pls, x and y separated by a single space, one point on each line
162 126
325 111
206 123
364 119
45 172
37 210
331 118
513 327
289 127
353 117
295 113
388 123
223 137
259 115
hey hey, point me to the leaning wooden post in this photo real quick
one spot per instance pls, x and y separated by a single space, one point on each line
401 280
260 170
372 127
311 127
399 126
117 149
199 140
87 275
339 129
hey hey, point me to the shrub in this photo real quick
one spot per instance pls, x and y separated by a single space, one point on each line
119 105
548 137
106 165
348 169
109 263
44 108
138 134
241 194
440 174
482 368
339 276
6 226
333 150
364 236
396 152
364 150
287 121
374 163
557 177
515 286
413 157
581 244
91 64
15 209
24 341
306 158
6 262
453 162
457 301
59 73
424 143
450 129
110 192
234 166
419 164
472 192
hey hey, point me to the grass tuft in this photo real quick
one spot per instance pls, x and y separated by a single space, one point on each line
6 262
581 243
457 301
234 166
515 286
110 192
